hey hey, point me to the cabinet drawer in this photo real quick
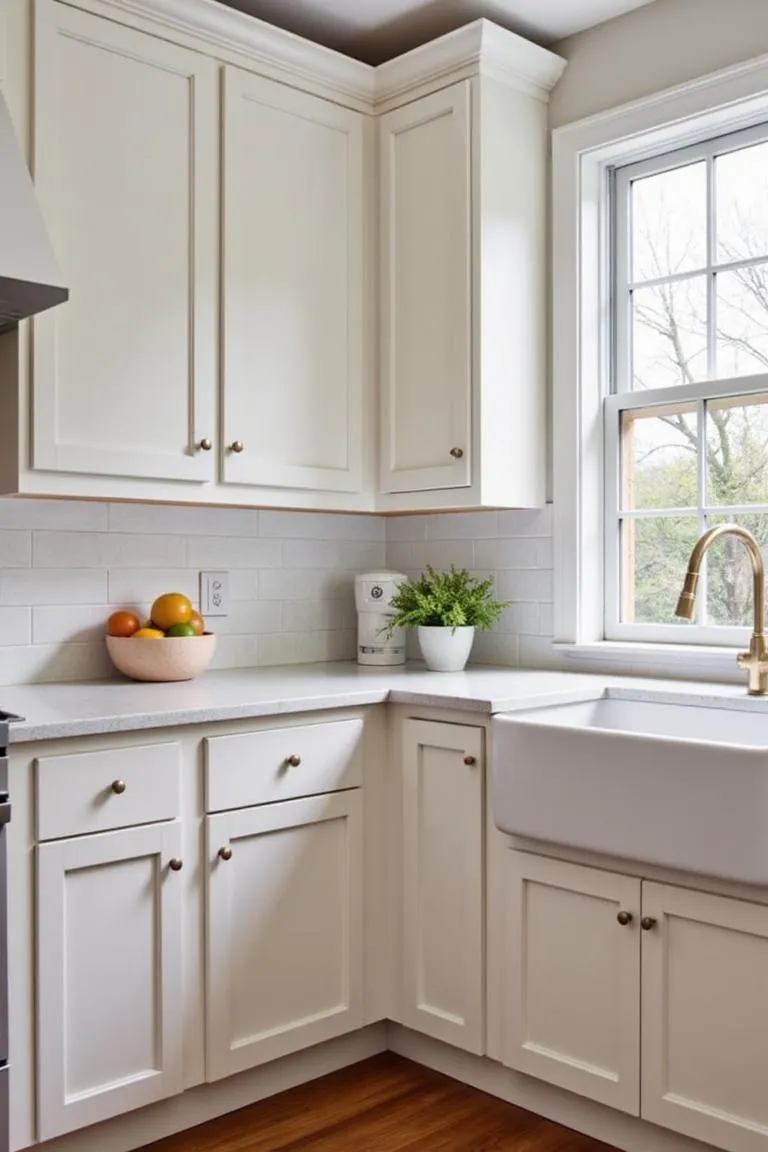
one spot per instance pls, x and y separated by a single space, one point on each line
112 788
282 763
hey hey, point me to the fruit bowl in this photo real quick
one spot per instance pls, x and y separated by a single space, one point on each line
167 659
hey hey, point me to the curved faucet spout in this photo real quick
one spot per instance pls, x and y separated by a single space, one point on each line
756 660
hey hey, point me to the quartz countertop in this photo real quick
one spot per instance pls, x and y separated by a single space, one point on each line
55 711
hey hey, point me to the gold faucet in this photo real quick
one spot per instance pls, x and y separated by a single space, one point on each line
756 660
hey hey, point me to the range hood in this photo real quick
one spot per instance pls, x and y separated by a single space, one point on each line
30 280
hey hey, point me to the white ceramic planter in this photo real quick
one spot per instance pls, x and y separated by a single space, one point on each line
445 650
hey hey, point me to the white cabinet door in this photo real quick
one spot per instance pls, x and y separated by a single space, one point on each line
571 978
284 929
426 293
109 1003
443 923
126 164
293 288
705 1017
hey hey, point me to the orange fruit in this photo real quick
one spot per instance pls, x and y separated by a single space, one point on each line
123 624
170 609
149 634
197 623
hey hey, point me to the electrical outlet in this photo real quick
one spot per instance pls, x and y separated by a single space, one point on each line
214 593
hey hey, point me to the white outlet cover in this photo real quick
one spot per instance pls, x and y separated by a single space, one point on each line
214 593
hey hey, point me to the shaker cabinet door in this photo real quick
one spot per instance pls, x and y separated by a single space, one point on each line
284 929
109 975
442 895
125 164
293 288
426 293
705 1017
571 977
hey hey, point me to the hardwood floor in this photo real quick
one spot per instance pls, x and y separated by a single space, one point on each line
386 1104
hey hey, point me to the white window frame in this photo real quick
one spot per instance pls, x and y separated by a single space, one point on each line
584 156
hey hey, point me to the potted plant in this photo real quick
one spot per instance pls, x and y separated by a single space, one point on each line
446 608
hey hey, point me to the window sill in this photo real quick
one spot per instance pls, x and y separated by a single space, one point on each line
682 661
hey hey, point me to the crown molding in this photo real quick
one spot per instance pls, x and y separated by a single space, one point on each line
306 63
480 48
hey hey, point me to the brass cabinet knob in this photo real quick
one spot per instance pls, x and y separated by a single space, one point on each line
225 853
624 918
237 446
294 760
457 453
118 787
205 444
175 864
647 923
470 760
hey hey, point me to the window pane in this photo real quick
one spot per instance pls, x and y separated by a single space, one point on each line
729 573
669 334
737 451
669 222
660 458
742 321
741 181
655 553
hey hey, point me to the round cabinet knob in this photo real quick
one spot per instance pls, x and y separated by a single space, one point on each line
175 864
225 853
647 923
237 446
205 445
118 787
624 918
294 760
457 453
470 760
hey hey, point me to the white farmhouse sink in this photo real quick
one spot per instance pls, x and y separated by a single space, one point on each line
680 785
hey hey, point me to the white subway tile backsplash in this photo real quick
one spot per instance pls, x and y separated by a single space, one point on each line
63 515
79 623
108 550
233 552
137 588
15 626
321 526
353 555
30 586
15 549
65 565
180 521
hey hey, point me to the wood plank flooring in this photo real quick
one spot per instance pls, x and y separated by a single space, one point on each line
385 1104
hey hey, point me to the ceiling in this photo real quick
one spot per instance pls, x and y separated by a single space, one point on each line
377 30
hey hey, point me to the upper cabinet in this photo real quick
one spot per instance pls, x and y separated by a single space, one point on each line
426 293
125 167
242 219
293 293
463 297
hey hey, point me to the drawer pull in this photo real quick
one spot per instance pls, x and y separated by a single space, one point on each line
205 444
470 760
118 787
624 918
175 864
457 453
225 853
294 760
237 446
647 923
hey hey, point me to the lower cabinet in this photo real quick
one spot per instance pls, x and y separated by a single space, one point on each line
600 967
443 814
109 975
284 929
572 978
705 1017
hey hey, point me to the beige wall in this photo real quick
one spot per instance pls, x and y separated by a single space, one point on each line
653 48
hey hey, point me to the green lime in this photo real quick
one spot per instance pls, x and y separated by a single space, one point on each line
181 630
